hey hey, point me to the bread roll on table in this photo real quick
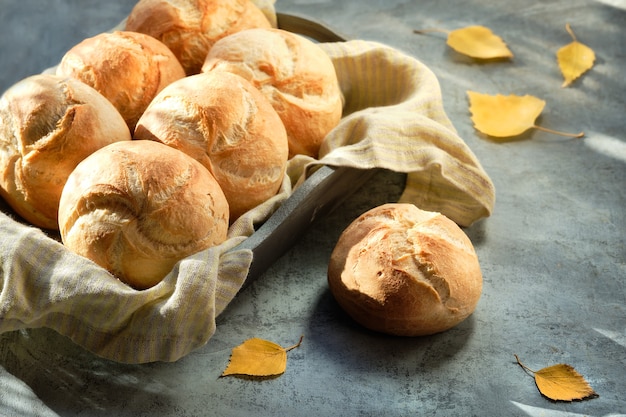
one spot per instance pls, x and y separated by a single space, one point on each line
190 27
137 208
224 122
128 68
48 124
404 271
293 73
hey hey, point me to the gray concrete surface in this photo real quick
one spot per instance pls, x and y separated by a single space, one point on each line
553 253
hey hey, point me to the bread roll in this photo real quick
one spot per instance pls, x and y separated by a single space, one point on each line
225 123
190 27
404 271
293 73
137 208
128 68
48 124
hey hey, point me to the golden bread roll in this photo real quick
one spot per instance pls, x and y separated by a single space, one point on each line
137 208
225 123
48 124
190 27
128 68
404 271
293 73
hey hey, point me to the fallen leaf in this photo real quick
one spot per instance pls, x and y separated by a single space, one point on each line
560 382
475 41
506 116
574 59
478 42
258 357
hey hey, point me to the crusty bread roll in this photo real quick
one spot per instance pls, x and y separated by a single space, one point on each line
128 68
48 124
293 73
137 208
190 27
221 120
404 271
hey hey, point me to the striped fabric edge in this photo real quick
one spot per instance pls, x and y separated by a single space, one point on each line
44 285
396 120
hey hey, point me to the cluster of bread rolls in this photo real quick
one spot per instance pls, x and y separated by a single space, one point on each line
141 150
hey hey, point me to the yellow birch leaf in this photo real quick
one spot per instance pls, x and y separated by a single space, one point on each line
561 382
258 357
574 59
504 116
478 42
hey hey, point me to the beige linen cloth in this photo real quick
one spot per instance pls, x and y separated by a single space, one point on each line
393 119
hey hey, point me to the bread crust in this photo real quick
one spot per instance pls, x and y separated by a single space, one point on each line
223 122
293 73
404 271
190 27
128 68
48 124
137 208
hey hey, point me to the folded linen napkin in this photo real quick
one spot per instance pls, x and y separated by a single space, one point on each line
394 119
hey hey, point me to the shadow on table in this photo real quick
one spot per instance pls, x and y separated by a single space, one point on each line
66 377
348 345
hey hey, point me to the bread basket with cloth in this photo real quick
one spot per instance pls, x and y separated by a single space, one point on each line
393 118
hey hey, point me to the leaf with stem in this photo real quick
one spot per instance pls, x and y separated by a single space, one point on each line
259 358
560 382
474 41
507 116
574 59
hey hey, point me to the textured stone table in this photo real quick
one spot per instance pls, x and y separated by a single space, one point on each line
553 253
